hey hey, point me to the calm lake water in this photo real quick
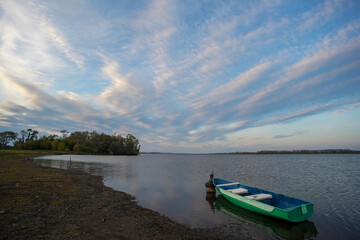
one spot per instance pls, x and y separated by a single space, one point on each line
173 184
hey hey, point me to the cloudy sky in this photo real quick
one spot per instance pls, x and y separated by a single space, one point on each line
185 76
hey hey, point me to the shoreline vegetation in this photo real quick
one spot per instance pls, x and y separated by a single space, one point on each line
325 151
45 203
76 142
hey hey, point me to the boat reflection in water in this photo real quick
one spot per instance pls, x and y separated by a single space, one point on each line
283 229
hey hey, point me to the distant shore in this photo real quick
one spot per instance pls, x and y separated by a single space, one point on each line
45 203
324 151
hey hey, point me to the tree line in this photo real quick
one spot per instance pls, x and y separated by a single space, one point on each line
80 142
325 151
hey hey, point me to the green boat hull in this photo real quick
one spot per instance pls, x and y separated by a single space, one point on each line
296 214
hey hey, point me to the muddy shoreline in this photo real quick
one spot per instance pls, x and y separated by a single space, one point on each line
45 203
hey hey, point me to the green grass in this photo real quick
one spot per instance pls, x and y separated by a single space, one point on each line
26 190
23 186
11 153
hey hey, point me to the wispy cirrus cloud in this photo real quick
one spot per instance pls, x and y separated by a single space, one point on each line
321 61
61 43
30 43
41 110
320 13
122 94
22 44
155 27
311 80
230 90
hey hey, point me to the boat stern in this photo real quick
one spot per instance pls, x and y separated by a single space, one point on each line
298 214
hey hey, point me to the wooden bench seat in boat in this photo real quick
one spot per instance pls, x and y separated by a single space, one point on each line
238 190
228 184
260 196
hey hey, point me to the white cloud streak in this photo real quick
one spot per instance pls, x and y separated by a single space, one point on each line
27 40
320 14
61 43
123 95
156 27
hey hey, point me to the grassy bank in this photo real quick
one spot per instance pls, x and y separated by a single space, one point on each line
26 190
21 154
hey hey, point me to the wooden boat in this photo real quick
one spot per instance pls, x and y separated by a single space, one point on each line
264 202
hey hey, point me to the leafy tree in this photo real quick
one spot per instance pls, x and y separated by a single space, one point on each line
28 134
77 147
132 146
45 143
117 147
69 145
101 142
34 135
65 133
6 138
31 134
80 137
23 135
